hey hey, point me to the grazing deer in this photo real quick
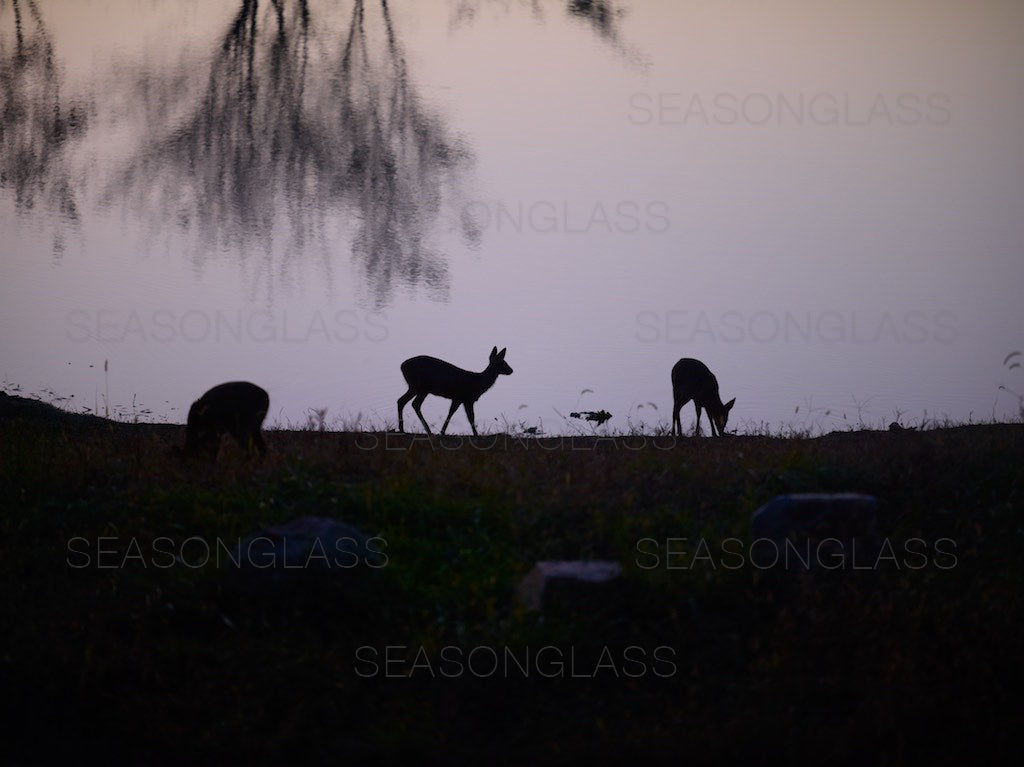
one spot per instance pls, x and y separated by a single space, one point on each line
236 408
429 375
691 379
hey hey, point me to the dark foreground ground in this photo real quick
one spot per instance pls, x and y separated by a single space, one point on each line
123 642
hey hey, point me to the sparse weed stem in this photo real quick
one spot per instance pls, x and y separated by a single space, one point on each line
1020 401
7 387
635 429
519 428
316 419
571 428
860 407
639 429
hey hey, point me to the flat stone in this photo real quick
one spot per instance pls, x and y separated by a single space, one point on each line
580 578
815 530
303 549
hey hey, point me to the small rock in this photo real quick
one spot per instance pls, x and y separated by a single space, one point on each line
573 579
305 549
815 531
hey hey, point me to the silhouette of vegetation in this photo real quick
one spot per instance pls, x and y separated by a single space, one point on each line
1012 362
597 416
117 657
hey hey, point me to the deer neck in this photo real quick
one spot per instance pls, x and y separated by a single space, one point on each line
485 380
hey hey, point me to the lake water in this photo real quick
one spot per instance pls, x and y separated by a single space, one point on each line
822 201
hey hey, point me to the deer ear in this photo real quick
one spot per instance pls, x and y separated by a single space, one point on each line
729 404
501 354
494 351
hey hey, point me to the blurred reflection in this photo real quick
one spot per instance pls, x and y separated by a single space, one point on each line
296 125
35 124
602 15
400 159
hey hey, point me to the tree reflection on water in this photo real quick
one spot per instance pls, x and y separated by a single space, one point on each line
36 124
302 133
283 137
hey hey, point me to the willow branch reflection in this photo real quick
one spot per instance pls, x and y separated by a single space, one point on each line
36 124
601 15
283 139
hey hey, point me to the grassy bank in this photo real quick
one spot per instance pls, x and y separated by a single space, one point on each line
115 653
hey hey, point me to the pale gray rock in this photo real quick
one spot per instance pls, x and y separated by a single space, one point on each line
571 578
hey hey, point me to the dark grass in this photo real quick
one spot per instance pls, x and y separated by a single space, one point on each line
134 664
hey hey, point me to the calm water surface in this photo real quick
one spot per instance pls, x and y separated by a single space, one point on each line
820 200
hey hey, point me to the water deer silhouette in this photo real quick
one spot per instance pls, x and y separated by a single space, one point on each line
691 380
430 375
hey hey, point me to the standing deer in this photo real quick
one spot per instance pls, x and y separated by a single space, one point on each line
691 379
429 375
236 408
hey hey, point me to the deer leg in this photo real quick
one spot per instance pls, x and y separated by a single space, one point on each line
469 414
677 424
261 446
257 429
451 412
696 431
242 437
212 444
416 406
401 406
246 432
